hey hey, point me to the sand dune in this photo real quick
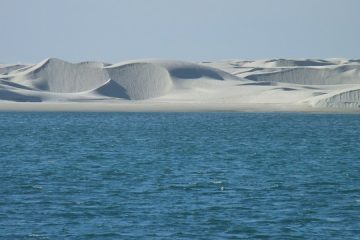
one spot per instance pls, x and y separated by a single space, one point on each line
141 80
231 84
347 98
135 80
55 75
7 68
348 74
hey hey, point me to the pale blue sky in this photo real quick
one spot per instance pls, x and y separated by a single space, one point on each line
116 30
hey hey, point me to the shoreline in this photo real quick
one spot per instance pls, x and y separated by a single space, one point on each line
163 107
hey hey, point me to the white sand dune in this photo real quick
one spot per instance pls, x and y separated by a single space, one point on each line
55 75
141 80
346 74
7 68
345 98
283 84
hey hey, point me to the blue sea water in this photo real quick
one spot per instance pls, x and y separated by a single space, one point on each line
179 176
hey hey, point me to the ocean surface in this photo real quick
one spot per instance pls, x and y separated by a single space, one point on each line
179 176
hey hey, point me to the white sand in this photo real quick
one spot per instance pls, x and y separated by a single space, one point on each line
317 85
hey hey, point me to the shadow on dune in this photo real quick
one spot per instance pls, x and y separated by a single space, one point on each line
286 89
12 84
192 73
259 84
112 89
16 97
298 63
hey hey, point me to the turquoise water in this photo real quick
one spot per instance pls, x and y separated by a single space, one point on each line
179 176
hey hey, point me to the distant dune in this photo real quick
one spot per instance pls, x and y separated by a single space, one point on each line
276 84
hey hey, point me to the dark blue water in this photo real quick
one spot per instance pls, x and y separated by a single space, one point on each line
179 176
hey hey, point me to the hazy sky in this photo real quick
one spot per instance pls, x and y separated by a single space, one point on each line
116 30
